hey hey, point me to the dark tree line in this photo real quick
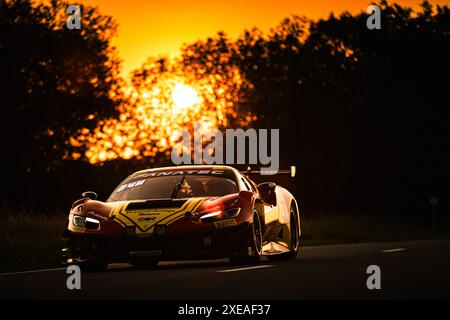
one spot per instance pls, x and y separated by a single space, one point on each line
53 82
363 113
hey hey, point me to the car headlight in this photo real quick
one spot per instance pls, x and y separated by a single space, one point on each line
229 213
215 214
79 221
233 212
85 222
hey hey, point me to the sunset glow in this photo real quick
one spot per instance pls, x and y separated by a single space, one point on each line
184 97
153 28
164 95
160 104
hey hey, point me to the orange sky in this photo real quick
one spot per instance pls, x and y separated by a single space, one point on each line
154 27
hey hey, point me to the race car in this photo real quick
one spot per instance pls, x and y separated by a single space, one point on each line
183 212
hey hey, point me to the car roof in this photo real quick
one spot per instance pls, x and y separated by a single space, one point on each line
188 167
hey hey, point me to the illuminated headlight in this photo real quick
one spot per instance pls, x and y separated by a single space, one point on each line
86 222
211 215
92 223
229 213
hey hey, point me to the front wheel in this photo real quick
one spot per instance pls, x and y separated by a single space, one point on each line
256 241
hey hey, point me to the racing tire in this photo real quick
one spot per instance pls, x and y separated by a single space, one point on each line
256 239
295 241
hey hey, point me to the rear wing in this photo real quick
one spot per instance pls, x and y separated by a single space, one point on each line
267 172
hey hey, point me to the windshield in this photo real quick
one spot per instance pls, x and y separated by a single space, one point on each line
175 187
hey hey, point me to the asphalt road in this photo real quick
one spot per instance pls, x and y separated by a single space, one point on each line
409 270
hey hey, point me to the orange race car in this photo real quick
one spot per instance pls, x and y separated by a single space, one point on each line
185 212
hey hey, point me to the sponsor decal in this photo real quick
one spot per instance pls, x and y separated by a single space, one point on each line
149 212
146 219
178 173
225 223
96 215
131 185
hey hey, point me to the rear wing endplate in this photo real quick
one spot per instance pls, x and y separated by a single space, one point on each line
268 172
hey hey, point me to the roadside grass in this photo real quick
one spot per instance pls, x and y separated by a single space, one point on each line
31 240
355 228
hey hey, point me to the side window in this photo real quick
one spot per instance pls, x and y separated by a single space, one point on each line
243 185
246 184
251 184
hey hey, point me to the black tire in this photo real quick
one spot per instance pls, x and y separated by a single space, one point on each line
256 238
144 263
295 241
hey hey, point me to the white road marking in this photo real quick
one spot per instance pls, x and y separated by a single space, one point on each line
393 250
247 268
32 271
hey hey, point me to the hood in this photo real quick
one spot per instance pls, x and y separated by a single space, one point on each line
145 215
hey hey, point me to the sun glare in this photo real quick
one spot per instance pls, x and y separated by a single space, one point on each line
159 104
184 97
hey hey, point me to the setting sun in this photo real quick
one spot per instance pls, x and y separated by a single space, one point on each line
162 99
184 97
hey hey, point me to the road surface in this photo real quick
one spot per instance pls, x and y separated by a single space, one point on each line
409 270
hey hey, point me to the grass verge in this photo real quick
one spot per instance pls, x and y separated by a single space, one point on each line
30 240
356 228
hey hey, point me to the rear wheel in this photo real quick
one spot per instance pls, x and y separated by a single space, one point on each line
295 240
256 240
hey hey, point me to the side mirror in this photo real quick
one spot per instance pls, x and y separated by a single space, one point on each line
89 194
267 192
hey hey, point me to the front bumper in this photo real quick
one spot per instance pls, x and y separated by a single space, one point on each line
219 243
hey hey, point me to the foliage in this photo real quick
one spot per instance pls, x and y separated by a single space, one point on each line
54 80
362 113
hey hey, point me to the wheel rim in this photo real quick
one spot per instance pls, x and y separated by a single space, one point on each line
257 233
294 232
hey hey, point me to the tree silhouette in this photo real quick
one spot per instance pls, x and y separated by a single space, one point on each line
54 81
362 113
